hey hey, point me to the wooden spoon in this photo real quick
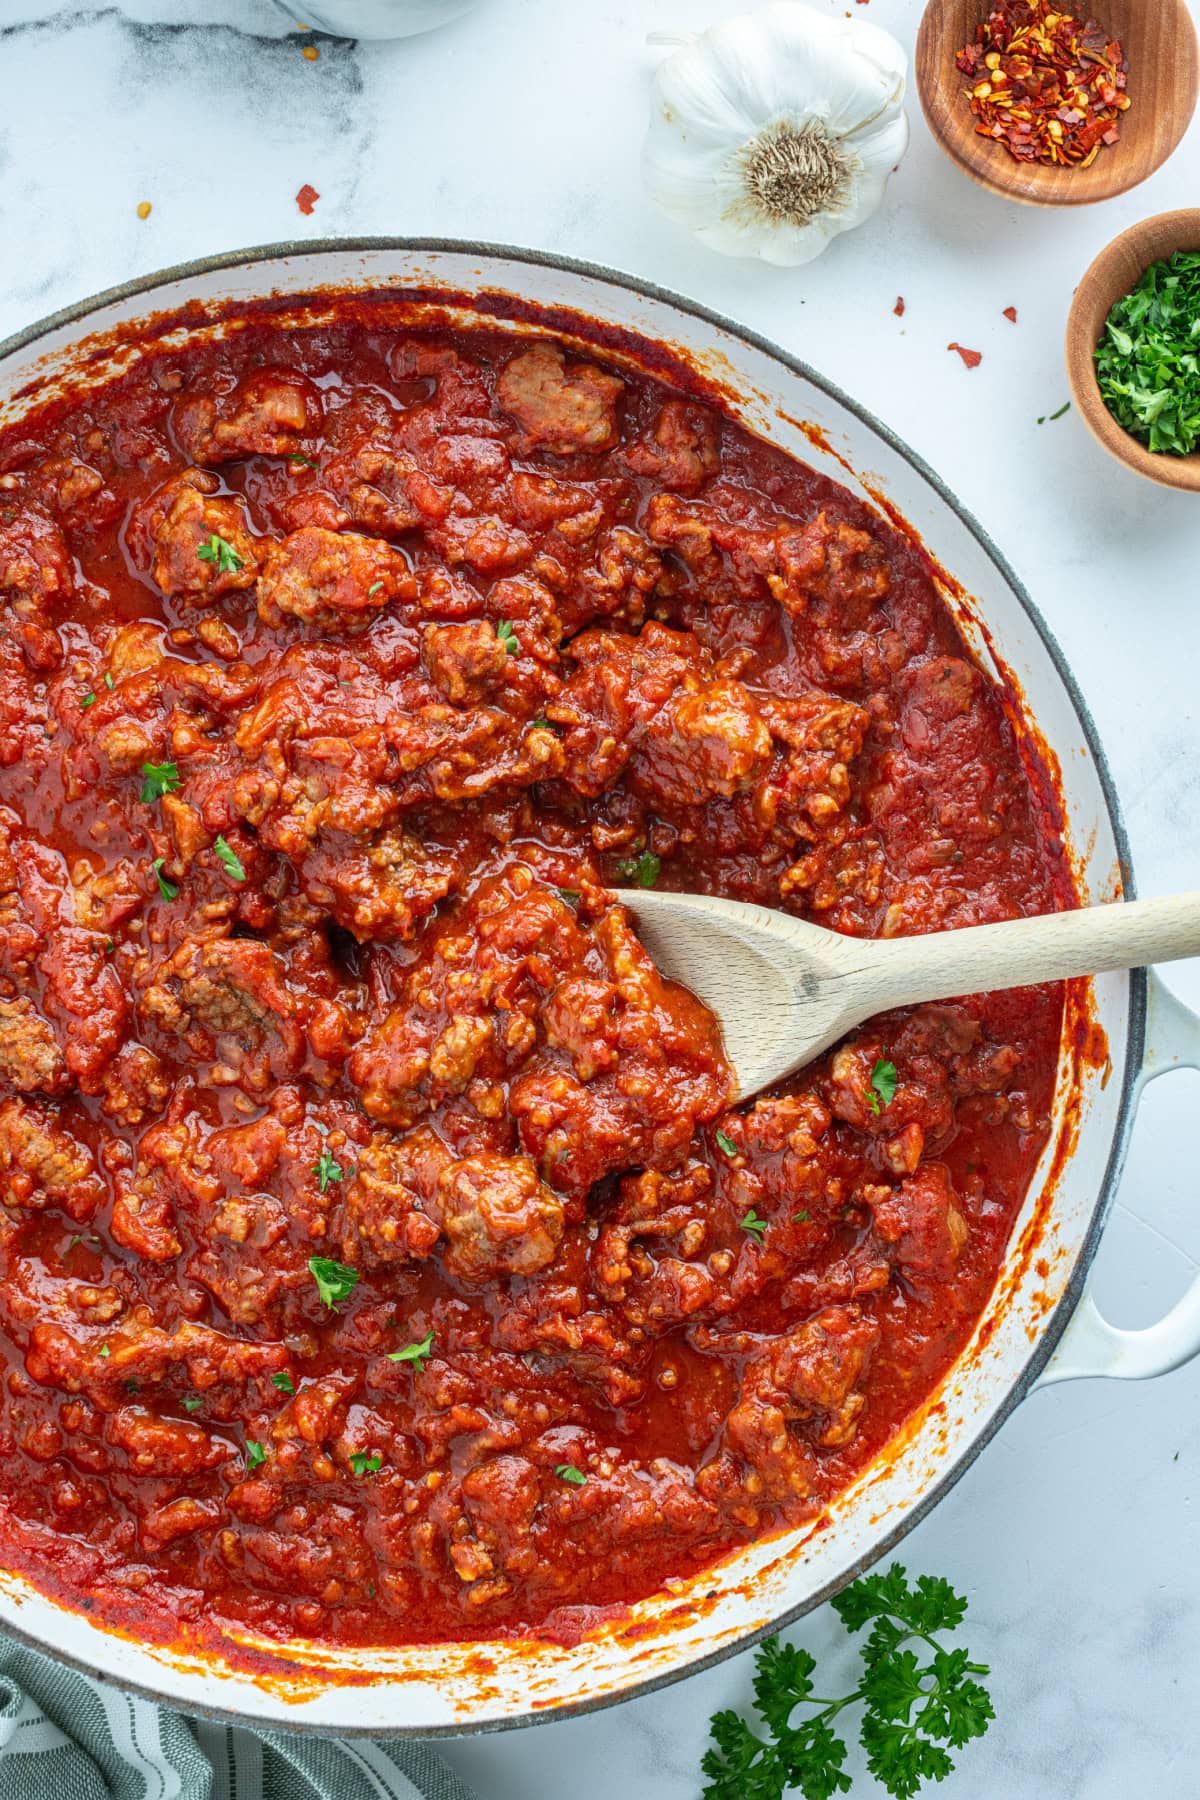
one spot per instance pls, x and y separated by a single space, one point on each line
784 991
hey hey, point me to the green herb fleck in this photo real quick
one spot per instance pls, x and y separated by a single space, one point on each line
131 1386
158 779
1064 408
569 895
365 1464
1148 357
230 860
166 888
911 1709
568 1472
255 1454
298 456
754 1225
883 1086
506 632
374 588
88 700
726 1143
104 1350
335 1282
327 1169
192 1403
417 1354
108 681
283 1382
642 869
801 1218
221 553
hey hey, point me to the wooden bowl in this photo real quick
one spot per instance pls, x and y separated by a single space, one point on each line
1159 41
1111 276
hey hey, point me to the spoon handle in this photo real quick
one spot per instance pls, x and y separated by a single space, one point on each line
1022 952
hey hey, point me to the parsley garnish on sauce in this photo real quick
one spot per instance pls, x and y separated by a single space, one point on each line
506 631
255 1454
221 553
191 1403
883 1086
229 859
166 888
363 1463
642 869
374 588
335 1282
309 462
912 1709
801 1218
417 1354
568 1472
726 1143
87 700
283 1382
1148 357
327 1169
158 779
754 1225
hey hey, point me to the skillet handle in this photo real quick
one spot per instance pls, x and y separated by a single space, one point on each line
1090 1345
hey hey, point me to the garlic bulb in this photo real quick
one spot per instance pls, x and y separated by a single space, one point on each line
771 133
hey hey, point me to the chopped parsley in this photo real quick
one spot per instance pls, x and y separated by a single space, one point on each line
335 1282
801 1218
417 1354
363 1463
1064 408
192 1403
1148 358
883 1086
104 1350
643 869
283 1382
131 1386
230 860
166 888
108 680
726 1143
88 700
255 1454
569 896
507 634
221 553
327 1169
568 1472
912 1709
374 588
298 456
158 779
754 1225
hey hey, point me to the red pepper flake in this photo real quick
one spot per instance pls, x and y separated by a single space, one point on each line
972 358
307 198
898 309
1010 312
1048 86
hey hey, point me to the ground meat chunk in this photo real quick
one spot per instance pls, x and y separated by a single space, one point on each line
383 1212
681 450
561 409
230 999
835 564
164 1447
331 582
919 1223
30 1056
465 661
43 1164
384 489
35 580
267 413
201 544
498 1217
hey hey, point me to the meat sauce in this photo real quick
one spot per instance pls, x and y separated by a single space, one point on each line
381 1258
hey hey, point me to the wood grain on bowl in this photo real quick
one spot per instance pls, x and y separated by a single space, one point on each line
1115 271
1159 41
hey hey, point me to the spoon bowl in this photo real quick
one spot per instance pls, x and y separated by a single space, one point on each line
785 990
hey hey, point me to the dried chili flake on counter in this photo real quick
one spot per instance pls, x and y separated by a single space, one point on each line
898 309
1010 313
307 198
972 358
1048 86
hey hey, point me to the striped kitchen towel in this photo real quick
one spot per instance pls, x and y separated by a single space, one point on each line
66 1737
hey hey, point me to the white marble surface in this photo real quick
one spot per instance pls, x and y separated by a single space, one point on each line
1077 1534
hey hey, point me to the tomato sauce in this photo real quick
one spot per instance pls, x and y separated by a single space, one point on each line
382 1259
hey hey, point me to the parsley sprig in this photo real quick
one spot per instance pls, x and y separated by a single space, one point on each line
642 869
912 1709
221 553
882 1090
335 1281
416 1354
158 779
1148 358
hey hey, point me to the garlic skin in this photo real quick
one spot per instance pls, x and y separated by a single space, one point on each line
772 133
